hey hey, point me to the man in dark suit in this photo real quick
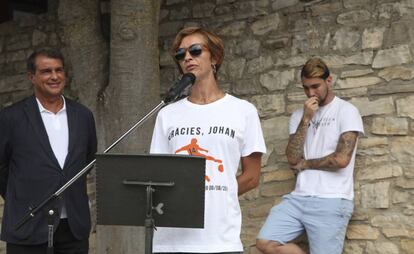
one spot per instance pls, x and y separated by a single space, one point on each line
45 140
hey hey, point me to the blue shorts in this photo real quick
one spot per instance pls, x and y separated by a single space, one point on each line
324 219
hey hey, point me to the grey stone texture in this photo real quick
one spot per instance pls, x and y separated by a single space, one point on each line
368 45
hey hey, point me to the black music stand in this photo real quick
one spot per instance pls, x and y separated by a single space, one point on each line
130 187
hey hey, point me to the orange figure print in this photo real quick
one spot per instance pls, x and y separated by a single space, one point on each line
194 149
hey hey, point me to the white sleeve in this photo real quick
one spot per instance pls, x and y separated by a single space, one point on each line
350 120
253 135
294 121
159 142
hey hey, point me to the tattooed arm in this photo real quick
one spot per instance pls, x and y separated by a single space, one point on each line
337 160
294 149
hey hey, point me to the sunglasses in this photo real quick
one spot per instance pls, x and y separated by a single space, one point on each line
195 50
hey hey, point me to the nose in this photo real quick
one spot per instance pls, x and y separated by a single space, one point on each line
312 92
53 75
187 55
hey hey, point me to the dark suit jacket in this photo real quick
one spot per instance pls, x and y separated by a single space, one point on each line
30 172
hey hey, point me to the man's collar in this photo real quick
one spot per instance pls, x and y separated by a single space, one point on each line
43 109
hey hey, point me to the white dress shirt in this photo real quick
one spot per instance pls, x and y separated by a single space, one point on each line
58 133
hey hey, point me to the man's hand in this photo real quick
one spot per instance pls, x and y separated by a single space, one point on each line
310 107
300 166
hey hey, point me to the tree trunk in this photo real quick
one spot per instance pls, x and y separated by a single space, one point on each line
132 92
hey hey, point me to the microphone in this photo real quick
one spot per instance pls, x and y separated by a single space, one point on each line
179 86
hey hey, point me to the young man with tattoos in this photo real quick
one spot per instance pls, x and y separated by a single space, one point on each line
321 150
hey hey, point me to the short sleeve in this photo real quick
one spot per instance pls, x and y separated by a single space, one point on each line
294 121
350 119
253 138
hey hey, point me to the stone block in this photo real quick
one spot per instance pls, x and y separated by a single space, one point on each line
269 104
354 17
359 213
376 107
235 68
304 42
297 97
397 72
251 8
381 247
259 64
266 24
294 61
395 232
14 83
180 14
405 106
389 126
246 86
275 42
407 245
356 73
14 56
375 195
249 48
402 148
357 82
276 80
382 171
325 9
349 4
38 38
362 232
372 38
276 128
203 10
278 175
354 247
170 28
390 88
337 61
352 92
233 29
281 4
220 2
405 184
391 220
393 56
257 209
18 41
276 188
400 197
346 38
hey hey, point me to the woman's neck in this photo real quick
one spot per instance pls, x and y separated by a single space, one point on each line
205 93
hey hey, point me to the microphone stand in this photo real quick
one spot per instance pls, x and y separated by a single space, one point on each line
173 94
34 210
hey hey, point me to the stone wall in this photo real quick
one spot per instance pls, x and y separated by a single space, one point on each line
369 46
367 43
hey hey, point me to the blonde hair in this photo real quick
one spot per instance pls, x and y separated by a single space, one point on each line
315 68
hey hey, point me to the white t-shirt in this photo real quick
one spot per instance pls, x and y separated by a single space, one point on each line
222 132
328 123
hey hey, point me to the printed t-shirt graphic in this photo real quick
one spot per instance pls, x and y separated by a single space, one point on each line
194 149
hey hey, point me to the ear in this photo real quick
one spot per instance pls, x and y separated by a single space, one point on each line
213 60
30 76
329 81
